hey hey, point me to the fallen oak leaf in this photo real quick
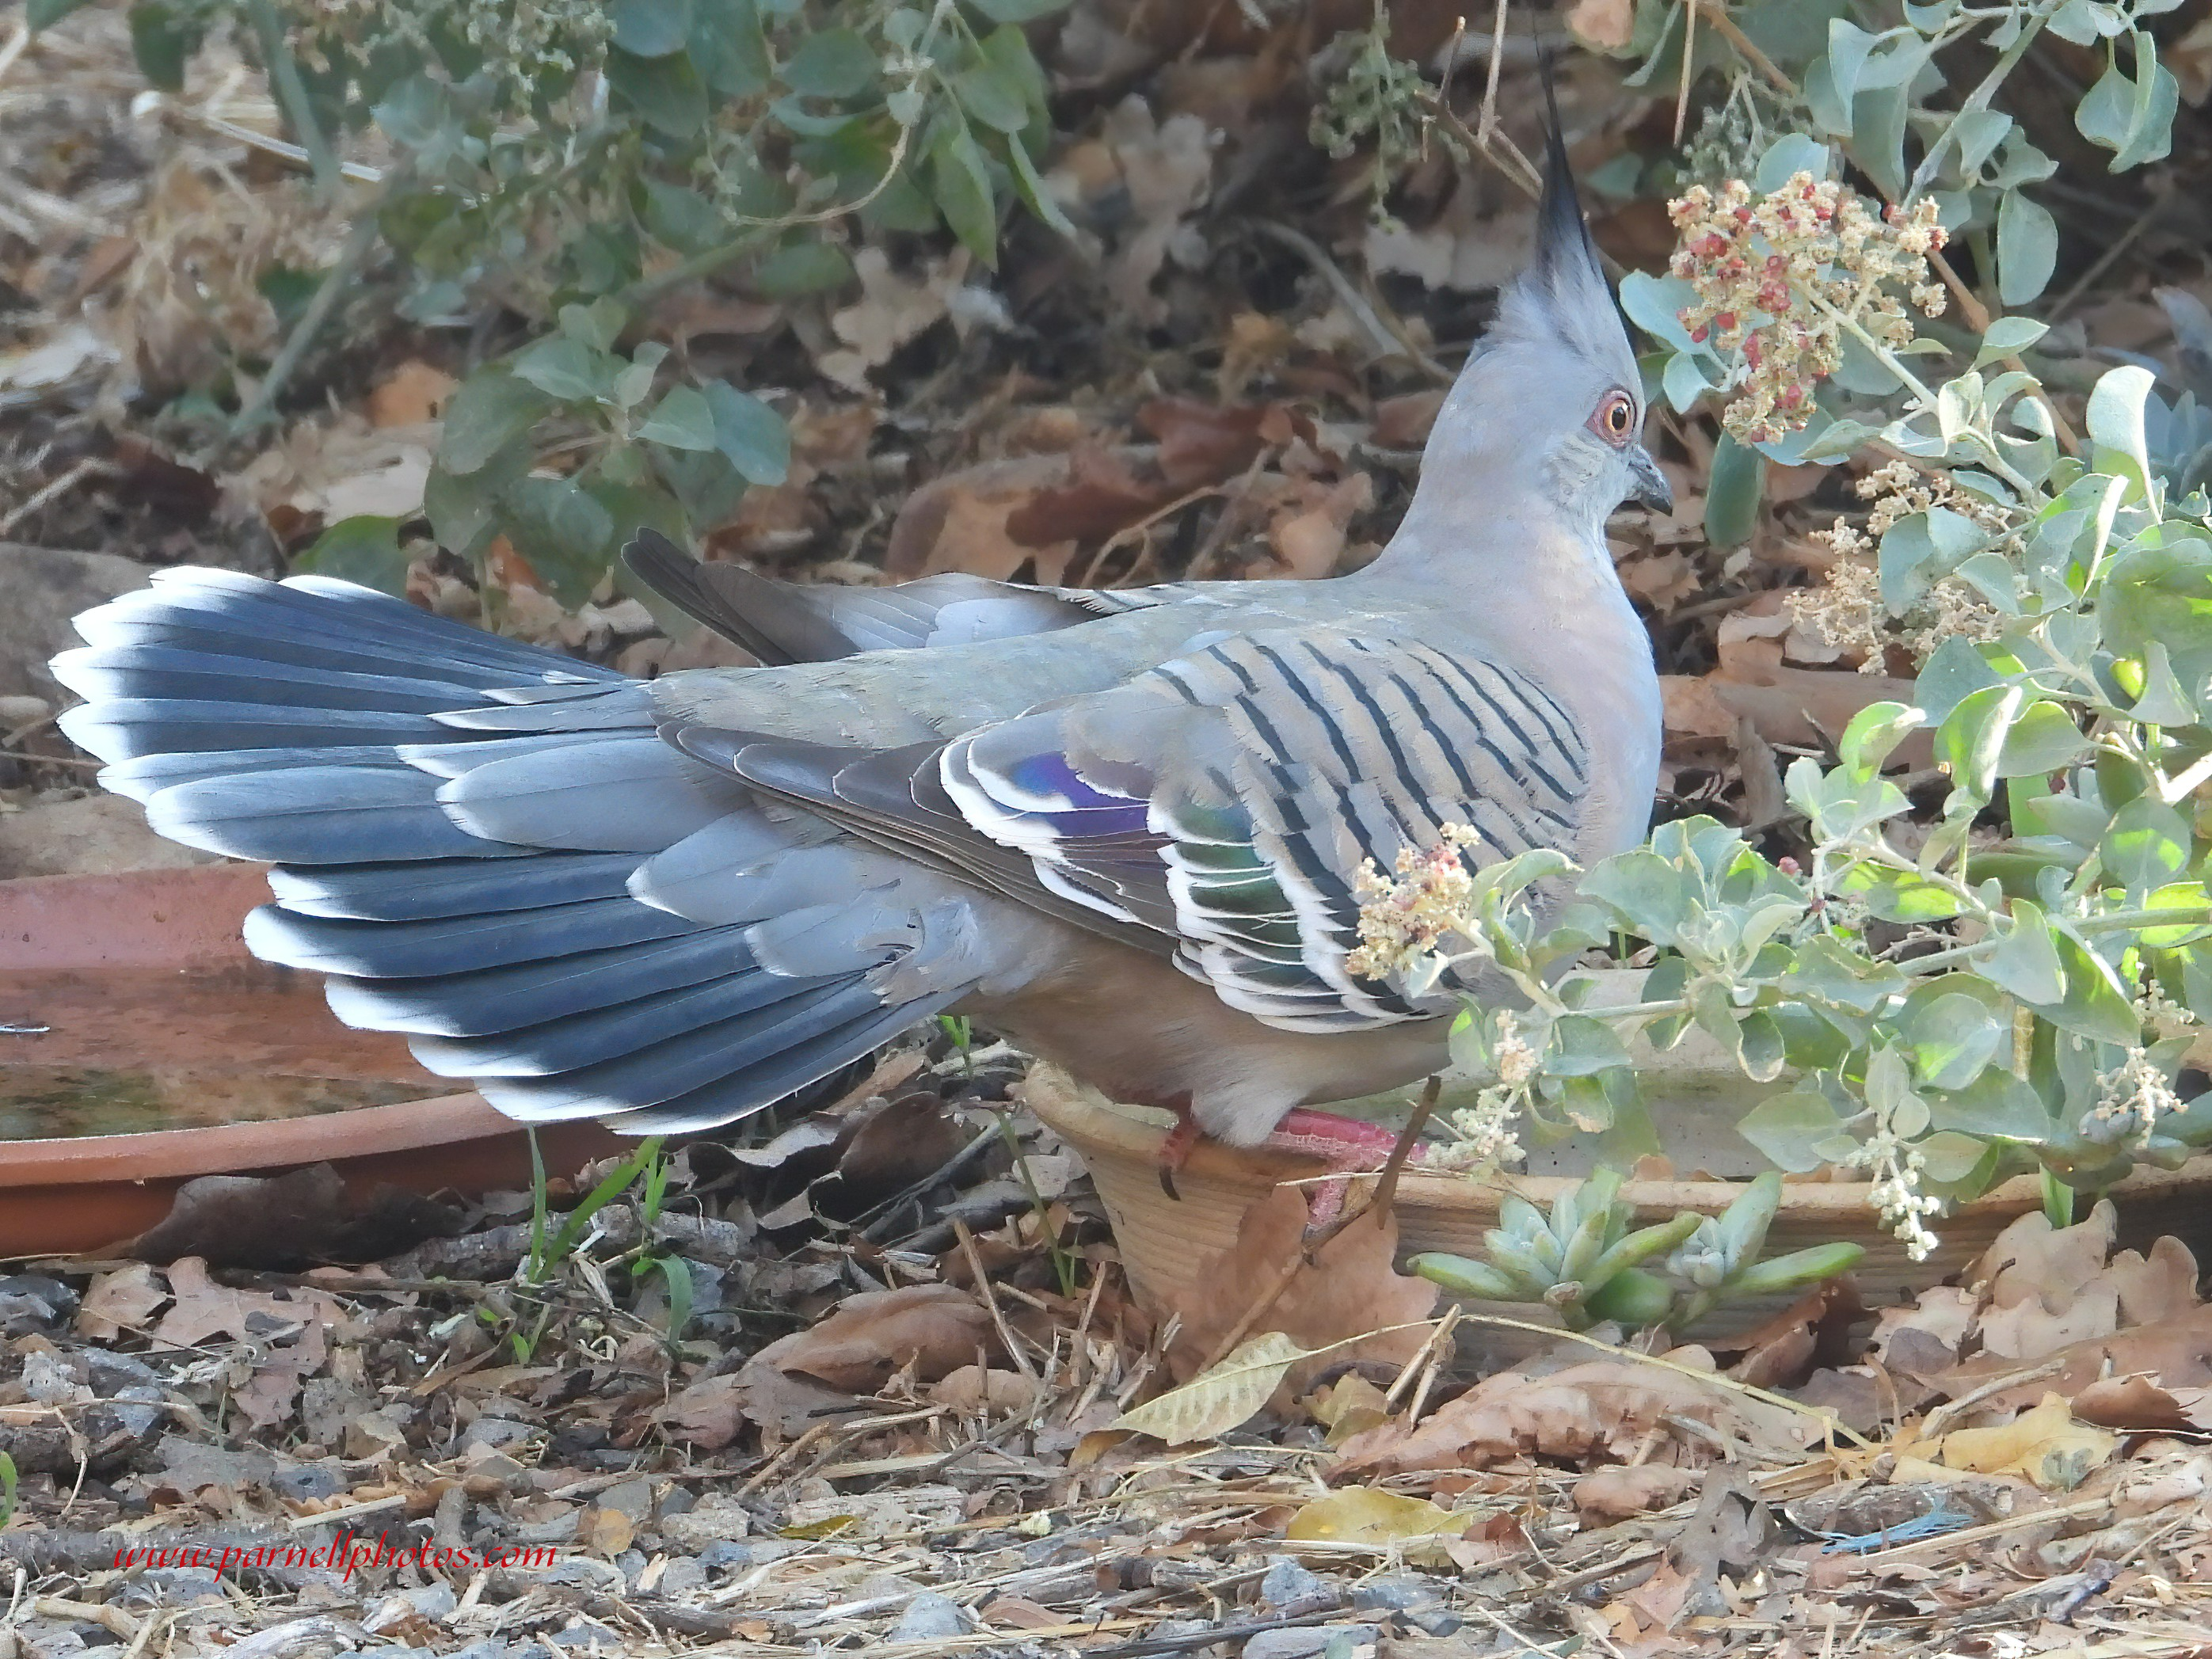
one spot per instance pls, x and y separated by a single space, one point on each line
2046 1444
936 1328
1367 1515
2139 1405
1217 1401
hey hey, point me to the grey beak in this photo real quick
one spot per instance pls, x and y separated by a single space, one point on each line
1651 489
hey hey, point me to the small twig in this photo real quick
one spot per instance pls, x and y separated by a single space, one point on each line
336 285
1932 1426
1389 342
1977 316
17 44
1751 54
54 490
1376 1203
991 1301
1689 56
292 92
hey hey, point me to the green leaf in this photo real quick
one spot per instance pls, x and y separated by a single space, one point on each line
363 549
2027 250
1953 1040
960 180
2024 960
751 436
2095 1005
2131 115
681 420
1970 740
44 14
1874 732
1996 1105
680 217
666 93
567 536
727 47
1464 1277
1017 11
1786 157
1920 547
163 39
1652 896
800 268
1732 494
1034 193
2177 895
2116 414
2042 739
566 370
830 64
1581 1046
2147 845
992 96
1788 1128
650 29
487 411
2008 337
1813 1265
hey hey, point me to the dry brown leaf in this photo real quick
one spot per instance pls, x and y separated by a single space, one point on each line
411 394
2175 1352
1618 1492
935 1328
2140 1405
1354 1289
1167 167
1365 1514
1219 1399
1307 533
973 1391
892 309
2045 1444
958 522
206 1309
1603 25
1599 1411
122 1300
1351 1404
1104 490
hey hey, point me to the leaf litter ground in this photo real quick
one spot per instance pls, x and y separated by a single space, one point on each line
878 1414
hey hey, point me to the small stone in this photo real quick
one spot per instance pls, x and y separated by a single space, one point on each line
682 1576
678 1500
584 1635
1400 1590
633 1498
727 1555
32 1302
496 1431
1436 1621
304 1480
584 1573
21 711
170 1587
712 1518
931 1617
1287 1584
1310 1641
117 1375
632 1564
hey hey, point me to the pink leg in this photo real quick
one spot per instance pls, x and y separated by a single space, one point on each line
1346 1144
1176 1150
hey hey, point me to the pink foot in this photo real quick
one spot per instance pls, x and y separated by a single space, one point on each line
1348 1145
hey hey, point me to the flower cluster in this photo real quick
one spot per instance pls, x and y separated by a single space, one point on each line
1847 611
2132 1096
1403 918
1780 278
1895 1193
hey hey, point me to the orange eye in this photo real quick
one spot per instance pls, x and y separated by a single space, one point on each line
1615 418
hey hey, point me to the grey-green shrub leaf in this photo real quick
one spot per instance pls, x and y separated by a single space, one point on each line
2042 739
2027 250
830 64
2147 844
1732 493
651 29
486 412
363 549
681 420
751 436
1954 1039
566 370
1788 1128
2024 960
2095 1004
960 180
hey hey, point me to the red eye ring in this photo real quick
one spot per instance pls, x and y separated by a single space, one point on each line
1615 419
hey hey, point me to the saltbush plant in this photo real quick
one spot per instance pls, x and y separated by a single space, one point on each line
2013 987
574 160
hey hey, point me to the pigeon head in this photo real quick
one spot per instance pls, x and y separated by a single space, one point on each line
1552 396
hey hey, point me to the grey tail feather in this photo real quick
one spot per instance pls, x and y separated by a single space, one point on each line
314 725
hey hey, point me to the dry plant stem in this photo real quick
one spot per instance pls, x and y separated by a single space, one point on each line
1725 26
1689 57
92 466
334 286
1387 342
1377 1203
1936 1422
991 1299
292 94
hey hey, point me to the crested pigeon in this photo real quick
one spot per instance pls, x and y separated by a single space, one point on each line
1121 828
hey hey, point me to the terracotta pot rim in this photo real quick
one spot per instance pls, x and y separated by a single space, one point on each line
227 1148
1078 1114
